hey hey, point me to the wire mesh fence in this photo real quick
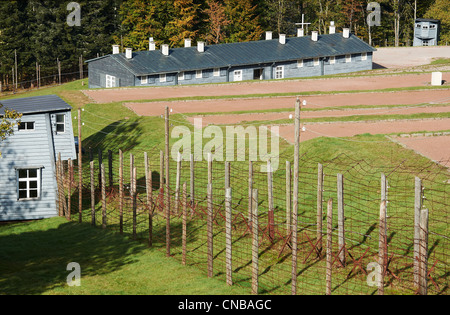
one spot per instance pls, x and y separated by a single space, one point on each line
248 242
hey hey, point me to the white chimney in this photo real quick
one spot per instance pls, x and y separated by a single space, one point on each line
282 39
165 49
332 28
300 32
268 35
116 49
187 42
152 46
129 53
346 33
201 46
315 36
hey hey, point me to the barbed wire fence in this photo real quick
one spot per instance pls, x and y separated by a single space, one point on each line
234 221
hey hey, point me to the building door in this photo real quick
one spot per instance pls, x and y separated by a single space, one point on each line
237 75
258 74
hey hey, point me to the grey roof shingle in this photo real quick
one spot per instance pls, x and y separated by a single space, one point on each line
36 104
240 54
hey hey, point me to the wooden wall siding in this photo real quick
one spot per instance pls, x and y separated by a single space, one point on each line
99 68
32 149
63 142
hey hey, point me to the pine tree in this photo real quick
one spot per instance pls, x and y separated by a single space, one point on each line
184 22
244 23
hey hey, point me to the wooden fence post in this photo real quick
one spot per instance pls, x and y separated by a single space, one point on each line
382 247
319 208
100 162
120 191
177 184
103 197
148 190
167 189
423 252
92 193
295 199
227 174
417 208
288 198
255 242
184 223
341 218
192 179
80 165
209 223
329 245
134 201
131 171
161 169
228 237
110 169
271 218
250 191
69 206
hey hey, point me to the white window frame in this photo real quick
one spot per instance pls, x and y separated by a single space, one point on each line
163 78
28 180
279 72
216 72
363 56
332 60
60 123
316 62
144 79
237 75
348 58
300 63
110 81
198 74
181 76
26 126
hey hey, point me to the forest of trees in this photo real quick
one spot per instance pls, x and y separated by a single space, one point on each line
36 31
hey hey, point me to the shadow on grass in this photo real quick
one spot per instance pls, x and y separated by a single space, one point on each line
33 262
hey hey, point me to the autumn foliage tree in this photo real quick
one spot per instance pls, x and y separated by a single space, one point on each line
184 22
216 21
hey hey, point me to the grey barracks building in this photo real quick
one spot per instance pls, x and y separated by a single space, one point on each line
285 57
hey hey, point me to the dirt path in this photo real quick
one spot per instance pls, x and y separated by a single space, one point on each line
400 57
263 87
317 101
349 129
235 119
437 148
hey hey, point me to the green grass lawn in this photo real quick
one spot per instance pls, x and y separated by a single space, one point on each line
34 258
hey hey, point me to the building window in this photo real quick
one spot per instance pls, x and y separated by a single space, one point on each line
425 27
300 63
29 183
61 123
237 75
332 60
26 126
432 26
181 76
348 58
418 25
364 56
279 72
216 72
162 78
110 81
316 62
144 80
198 74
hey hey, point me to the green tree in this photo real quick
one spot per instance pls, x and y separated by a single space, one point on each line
184 22
244 23
8 121
440 10
142 19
